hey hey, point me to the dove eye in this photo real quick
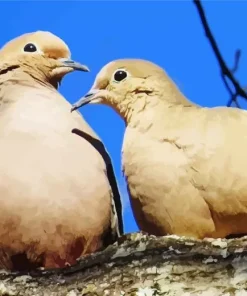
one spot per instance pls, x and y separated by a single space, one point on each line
30 47
120 75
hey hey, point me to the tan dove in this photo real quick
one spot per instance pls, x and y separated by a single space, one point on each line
58 194
185 165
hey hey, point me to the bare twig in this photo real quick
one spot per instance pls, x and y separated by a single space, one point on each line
226 73
236 61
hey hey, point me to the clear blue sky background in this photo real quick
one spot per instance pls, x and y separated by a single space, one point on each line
168 33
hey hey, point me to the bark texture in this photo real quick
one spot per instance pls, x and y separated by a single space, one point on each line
141 265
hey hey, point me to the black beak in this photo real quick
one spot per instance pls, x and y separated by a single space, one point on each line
74 65
89 97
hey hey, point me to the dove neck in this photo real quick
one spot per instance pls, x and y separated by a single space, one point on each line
149 110
25 76
40 77
162 119
15 83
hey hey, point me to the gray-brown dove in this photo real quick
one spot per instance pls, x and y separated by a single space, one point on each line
185 165
58 194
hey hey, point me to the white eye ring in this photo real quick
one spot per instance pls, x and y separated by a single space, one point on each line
120 75
37 51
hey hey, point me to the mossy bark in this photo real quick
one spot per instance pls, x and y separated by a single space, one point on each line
142 265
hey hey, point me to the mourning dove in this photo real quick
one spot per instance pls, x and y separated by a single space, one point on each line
58 194
185 165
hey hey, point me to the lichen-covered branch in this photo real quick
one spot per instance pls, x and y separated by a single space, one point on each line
144 265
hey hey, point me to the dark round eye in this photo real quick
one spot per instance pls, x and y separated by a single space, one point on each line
30 47
120 75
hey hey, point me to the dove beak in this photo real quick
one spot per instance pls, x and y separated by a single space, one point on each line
74 65
93 96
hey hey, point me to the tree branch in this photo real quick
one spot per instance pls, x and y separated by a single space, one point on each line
226 73
139 264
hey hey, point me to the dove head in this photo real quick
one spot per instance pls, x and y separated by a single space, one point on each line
129 85
42 54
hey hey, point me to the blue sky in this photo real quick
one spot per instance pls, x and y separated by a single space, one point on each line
168 33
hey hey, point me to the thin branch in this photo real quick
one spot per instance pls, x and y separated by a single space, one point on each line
232 99
226 73
236 61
